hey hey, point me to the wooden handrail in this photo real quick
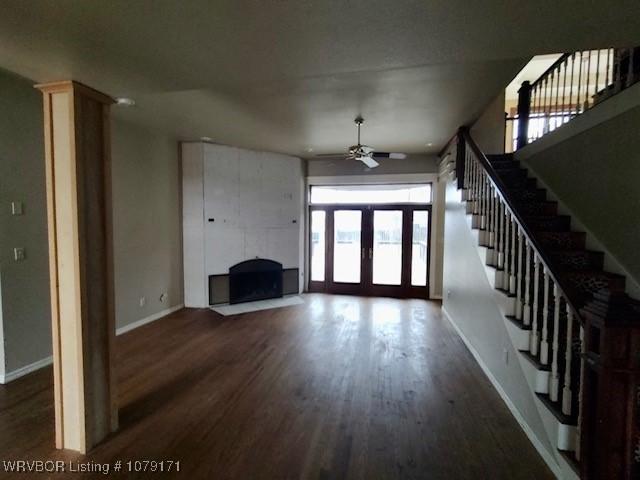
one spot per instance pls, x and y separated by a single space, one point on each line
501 189
553 66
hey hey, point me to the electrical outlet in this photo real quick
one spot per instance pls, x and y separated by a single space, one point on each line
505 352
448 293
16 208
18 254
143 301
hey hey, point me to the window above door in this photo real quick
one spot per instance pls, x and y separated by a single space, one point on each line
371 194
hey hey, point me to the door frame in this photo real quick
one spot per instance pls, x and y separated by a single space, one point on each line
366 286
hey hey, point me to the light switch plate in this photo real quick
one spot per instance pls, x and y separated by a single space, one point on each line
16 208
18 254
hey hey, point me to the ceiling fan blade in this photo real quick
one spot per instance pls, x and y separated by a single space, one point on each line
393 155
329 155
368 161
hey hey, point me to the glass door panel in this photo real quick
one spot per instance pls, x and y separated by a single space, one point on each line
419 248
347 244
387 247
318 225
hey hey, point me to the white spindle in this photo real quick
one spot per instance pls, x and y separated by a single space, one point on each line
505 273
579 425
544 342
494 236
566 390
526 317
483 208
535 338
519 278
554 381
512 264
492 204
501 214
476 190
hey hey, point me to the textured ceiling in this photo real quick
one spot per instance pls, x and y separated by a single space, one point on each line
291 75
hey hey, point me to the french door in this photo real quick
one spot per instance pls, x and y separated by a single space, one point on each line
370 249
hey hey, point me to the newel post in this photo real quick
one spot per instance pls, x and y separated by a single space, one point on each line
610 402
524 101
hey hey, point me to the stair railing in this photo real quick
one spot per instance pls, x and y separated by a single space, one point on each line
543 300
592 351
571 85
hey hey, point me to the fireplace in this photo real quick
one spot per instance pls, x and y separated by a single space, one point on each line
256 279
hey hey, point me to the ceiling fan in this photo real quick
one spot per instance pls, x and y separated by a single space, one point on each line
364 153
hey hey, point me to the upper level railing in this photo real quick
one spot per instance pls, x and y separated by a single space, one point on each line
571 85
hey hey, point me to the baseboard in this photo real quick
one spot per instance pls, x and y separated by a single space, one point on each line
149 319
533 438
22 371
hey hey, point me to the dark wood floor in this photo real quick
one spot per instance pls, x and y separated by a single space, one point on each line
340 387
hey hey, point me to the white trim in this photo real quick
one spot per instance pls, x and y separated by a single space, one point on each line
149 319
373 179
22 371
533 438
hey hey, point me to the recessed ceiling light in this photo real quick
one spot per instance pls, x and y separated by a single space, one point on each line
309 149
430 144
206 139
125 102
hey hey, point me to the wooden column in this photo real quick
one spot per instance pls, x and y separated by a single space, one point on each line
78 175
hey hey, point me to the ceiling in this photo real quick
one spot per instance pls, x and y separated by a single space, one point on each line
290 75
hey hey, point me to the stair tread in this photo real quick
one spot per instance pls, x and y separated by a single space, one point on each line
519 323
556 409
535 361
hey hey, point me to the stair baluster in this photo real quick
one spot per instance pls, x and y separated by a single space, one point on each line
519 278
544 342
512 264
554 381
535 338
507 256
494 237
476 192
501 214
567 398
526 316
579 425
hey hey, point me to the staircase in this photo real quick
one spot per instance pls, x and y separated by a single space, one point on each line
570 320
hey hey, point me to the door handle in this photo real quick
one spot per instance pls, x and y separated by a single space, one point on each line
370 253
362 253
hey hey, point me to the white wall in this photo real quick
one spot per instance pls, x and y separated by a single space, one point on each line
238 204
25 285
470 304
489 129
146 222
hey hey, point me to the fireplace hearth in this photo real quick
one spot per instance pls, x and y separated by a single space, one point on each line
256 279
